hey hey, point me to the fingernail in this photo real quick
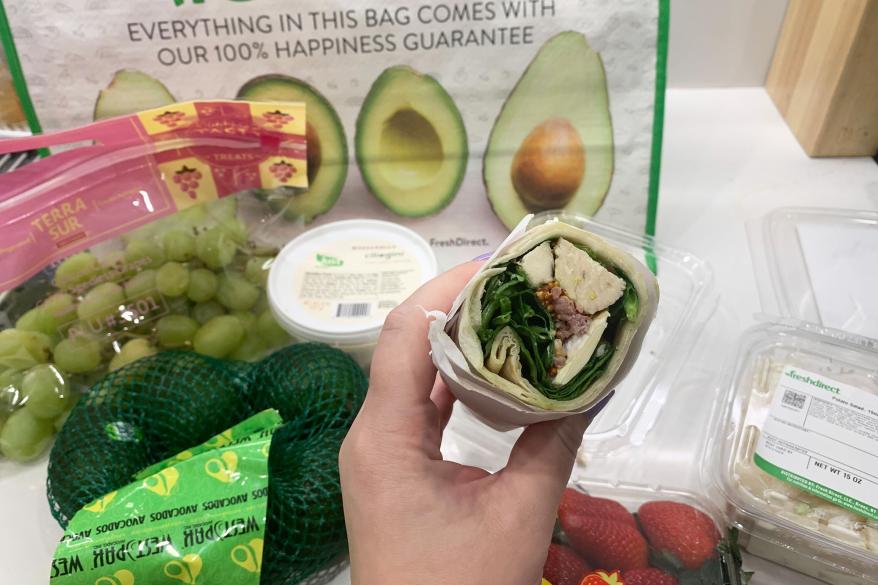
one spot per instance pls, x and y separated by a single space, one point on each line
597 408
484 256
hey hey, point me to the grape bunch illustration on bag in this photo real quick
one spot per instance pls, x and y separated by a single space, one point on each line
277 119
283 171
188 180
170 118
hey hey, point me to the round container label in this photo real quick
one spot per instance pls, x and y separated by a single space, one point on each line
349 282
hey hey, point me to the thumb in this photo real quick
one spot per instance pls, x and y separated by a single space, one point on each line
542 458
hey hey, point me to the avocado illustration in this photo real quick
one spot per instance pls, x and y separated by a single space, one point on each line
327 145
411 143
131 91
552 143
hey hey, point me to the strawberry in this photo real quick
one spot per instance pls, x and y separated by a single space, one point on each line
575 502
648 577
686 535
605 543
563 566
603 578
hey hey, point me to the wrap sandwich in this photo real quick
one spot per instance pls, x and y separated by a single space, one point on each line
550 321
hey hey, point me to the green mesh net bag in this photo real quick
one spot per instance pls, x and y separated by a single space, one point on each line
159 406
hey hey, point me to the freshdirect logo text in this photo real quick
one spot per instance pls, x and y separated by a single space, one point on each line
816 383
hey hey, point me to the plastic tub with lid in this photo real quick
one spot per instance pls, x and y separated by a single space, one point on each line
336 284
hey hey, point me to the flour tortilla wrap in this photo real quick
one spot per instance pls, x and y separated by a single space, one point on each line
495 388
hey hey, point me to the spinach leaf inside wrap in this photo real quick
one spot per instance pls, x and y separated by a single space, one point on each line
509 300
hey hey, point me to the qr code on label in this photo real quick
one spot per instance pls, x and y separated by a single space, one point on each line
794 399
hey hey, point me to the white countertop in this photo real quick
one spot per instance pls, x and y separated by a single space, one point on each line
728 158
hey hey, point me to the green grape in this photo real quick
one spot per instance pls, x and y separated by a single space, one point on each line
172 279
114 267
246 318
132 351
140 285
273 334
24 437
59 422
225 208
38 319
61 306
252 348
20 350
178 305
235 293
179 245
101 302
256 270
235 229
204 312
114 260
144 254
261 304
78 354
215 248
46 392
176 330
219 337
202 285
193 216
11 396
76 270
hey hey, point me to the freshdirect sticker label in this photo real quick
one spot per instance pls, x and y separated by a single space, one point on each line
198 517
821 436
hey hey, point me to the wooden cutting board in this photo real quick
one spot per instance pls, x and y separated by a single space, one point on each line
824 76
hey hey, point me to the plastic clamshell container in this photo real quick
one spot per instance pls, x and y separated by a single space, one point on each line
778 521
687 298
818 265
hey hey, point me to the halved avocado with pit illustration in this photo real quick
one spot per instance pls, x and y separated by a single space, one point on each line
327 145
552 143
411 143
131 91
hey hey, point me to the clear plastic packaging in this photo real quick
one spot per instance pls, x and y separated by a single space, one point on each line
150 234
796 465
817 265
782 519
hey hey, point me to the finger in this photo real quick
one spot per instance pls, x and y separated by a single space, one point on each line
542 458
442 397
402 372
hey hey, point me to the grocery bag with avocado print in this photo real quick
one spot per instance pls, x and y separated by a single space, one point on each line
196 518
455 118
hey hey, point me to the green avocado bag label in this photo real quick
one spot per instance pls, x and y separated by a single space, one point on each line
821 435
196 518
422 112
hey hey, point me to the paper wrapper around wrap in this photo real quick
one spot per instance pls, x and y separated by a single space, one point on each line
495 408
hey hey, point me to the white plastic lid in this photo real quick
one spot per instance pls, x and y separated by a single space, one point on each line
818 265
337 283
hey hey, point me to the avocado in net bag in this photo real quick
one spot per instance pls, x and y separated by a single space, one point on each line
162 405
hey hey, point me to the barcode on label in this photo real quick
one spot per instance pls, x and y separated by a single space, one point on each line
352 310
794 399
